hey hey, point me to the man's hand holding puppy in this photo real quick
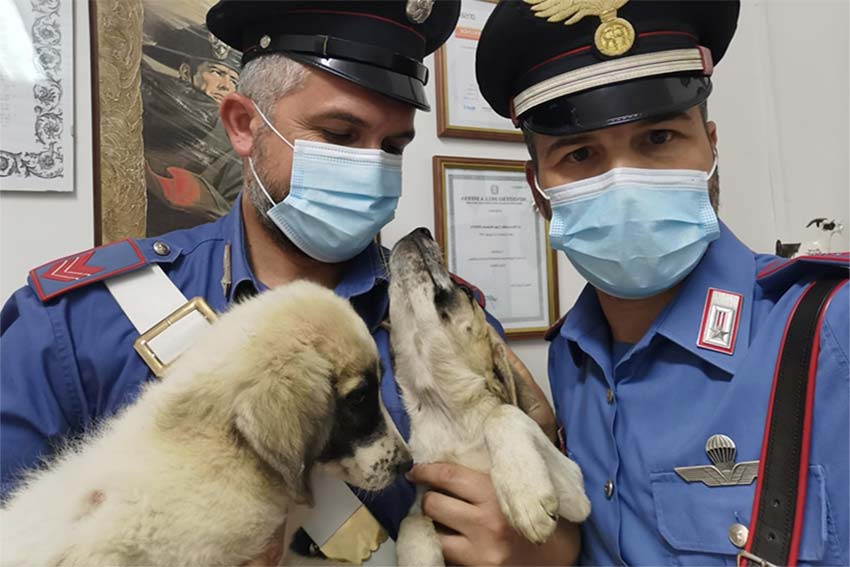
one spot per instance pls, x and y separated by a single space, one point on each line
464 501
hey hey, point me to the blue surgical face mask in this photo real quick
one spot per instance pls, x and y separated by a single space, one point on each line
339 197
631 232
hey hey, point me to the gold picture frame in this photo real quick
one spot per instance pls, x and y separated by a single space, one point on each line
483 123
490 235
162 159
119 184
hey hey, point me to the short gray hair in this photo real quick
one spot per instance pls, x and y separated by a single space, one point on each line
268 78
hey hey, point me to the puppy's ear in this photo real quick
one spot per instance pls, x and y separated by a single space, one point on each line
531 399
504 385
287 421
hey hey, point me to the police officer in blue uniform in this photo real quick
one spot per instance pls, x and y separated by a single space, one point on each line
325 108
662 372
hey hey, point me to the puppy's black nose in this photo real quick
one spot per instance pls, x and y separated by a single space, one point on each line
404 467
422 231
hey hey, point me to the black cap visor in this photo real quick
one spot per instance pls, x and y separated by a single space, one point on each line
615 104
388 83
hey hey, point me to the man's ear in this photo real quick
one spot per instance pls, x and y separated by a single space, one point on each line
185 72
711 130
287 421
504 385
542 204
237 112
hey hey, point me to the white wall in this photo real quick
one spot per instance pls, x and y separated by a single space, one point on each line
780 101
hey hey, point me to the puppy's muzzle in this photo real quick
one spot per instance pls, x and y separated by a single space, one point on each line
417 255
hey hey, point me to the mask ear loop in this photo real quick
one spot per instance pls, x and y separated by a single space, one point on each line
531 178
270 125
251 160
259 182
713 169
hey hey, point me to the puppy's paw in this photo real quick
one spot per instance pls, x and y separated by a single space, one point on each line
569 485
530 507
418 545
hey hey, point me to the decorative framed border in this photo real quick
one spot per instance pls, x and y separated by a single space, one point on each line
119 182
49 93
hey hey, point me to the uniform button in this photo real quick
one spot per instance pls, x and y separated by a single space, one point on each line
738 535
609 396
609 489
161 248
265 41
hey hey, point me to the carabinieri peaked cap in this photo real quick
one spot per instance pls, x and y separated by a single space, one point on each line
561 67
377 44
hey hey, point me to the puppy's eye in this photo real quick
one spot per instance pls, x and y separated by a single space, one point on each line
468 292
442 297
357 397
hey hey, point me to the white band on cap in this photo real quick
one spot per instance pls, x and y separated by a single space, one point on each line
614 71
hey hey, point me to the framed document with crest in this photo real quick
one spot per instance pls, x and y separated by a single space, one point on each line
491 235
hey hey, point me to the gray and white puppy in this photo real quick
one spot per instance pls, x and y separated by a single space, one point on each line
458 388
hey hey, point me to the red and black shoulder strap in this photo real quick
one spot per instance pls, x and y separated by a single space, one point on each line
777 517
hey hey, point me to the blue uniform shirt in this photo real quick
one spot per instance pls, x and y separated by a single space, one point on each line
631 420
69 361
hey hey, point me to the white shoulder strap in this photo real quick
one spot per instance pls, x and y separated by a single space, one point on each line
338 523
149 298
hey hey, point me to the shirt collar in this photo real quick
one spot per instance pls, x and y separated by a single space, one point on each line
727 265
364 283
241 274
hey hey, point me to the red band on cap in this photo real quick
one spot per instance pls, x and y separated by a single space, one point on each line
362 15
650 34
556 57
588 47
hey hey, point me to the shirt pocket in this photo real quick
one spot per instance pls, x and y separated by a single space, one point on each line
694 519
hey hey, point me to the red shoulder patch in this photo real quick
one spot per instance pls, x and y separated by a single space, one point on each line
77 270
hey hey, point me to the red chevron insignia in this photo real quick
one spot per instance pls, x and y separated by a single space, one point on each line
72 269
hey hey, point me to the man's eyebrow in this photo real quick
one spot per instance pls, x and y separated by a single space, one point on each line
567 141
343 116
360 123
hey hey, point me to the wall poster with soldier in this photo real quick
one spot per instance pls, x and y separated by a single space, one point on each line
162 157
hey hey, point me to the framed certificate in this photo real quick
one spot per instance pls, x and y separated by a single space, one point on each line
490 235
462 111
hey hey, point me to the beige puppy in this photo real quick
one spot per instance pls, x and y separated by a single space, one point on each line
205 467
457 384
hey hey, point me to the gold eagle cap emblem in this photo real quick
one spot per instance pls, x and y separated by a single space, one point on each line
614 36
